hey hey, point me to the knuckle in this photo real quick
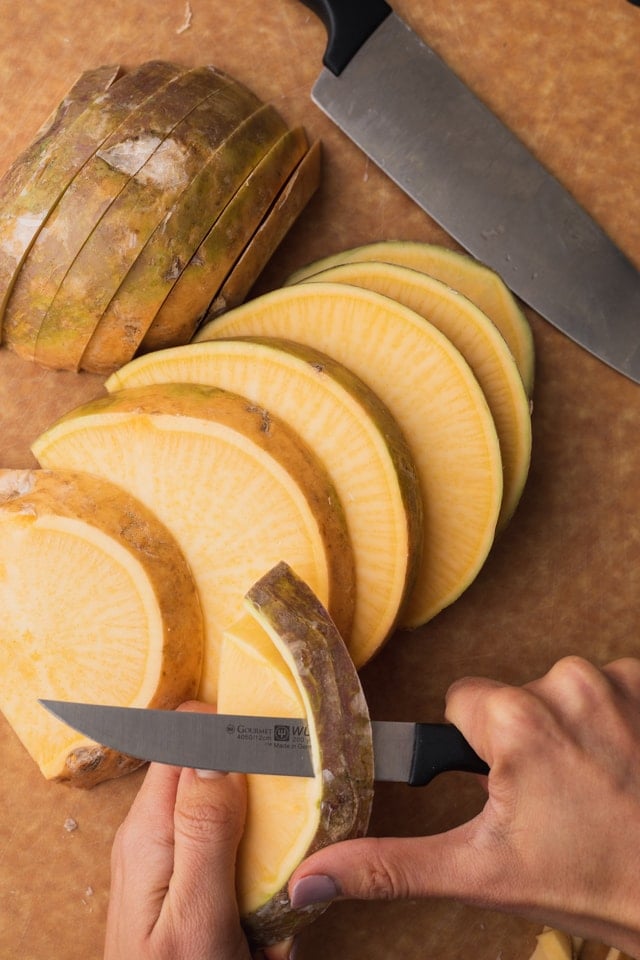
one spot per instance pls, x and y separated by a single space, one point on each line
200 820
383 879
576 670
197 820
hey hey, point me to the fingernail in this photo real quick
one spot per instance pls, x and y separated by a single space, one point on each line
211 774
312 890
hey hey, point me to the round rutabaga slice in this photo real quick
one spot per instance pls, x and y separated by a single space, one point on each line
236 486
98 604
286 658
354 435
480 343
435 399
461 272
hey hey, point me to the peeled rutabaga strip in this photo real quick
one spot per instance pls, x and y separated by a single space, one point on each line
286 658
98 604
234 484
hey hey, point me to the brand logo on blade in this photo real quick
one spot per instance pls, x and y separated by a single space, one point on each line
282 732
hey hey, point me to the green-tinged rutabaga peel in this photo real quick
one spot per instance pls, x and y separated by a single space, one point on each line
173 172
236 486
161 261
114 204
435 399
88 87
287 207
480 343
353 434
461 272
180 313
98 604
22 219
286 658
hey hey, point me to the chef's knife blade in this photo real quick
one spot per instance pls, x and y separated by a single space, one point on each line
412 753
408 111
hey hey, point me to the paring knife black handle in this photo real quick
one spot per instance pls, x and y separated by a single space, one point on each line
439 747
349 23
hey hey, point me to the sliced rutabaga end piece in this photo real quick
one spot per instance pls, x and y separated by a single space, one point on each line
236 486
480 343
110 208
98 604
223 173
463 273
179 315
201 161
286 658
291 201
22 219
89 85
435 399
354 435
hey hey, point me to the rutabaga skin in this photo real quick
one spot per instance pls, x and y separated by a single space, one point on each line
339 729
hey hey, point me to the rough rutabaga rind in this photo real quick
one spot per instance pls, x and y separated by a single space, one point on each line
21 220
178 317
101 504
339 727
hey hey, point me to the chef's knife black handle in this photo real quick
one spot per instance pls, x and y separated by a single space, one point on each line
349 23
439 747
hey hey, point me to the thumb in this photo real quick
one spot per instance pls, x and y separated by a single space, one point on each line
208 822
386 868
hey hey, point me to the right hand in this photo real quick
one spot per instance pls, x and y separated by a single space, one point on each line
558 839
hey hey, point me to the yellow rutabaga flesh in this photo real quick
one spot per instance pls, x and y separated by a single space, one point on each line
435 399
236 487
353 434
98 604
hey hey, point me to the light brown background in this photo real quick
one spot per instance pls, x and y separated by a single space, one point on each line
565 576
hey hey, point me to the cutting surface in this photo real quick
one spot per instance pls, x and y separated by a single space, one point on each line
563 578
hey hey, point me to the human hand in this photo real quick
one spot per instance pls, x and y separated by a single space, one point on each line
173 870
558 839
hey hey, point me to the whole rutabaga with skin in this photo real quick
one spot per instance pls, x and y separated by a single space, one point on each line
106 217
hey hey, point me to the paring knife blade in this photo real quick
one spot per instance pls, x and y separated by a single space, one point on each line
412 753
410 113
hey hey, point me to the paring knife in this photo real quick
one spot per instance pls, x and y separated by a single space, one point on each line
410 113
412 753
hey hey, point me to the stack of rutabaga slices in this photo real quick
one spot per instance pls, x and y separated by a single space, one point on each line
145 198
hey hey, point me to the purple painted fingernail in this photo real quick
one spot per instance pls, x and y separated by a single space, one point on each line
312 890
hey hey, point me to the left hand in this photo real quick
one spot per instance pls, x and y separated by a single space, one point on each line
173 870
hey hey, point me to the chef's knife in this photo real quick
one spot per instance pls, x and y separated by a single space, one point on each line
407 110
413 753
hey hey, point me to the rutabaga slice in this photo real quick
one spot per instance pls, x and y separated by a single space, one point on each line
195 168
286 658
353 434
285 210
461 272
435 399
180 314
236 486
88 87
162 260
22 218
480 343
98 604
